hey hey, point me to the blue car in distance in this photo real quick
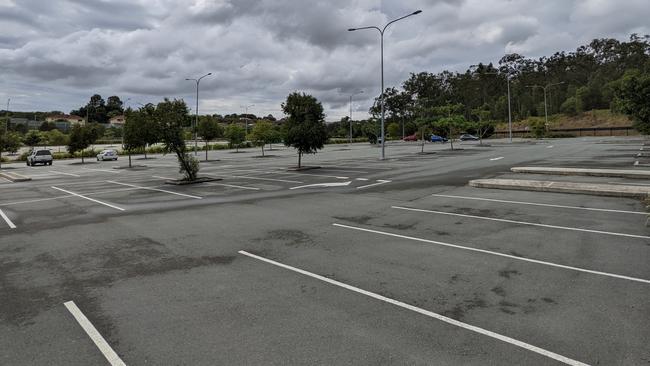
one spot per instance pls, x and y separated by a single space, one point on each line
436 138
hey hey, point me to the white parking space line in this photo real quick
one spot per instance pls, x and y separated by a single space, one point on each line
422 311
7 220
103 170
318 175
94 335
66 196
550 147
70 174
231 185
159 177
540 204
157 190
510 256
380 182
88 198
522 222
361 179
495 159
268 179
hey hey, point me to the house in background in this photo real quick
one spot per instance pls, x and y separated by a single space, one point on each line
117 121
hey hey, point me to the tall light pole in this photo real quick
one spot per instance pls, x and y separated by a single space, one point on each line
196 120
545 88
245 108
381 32
6 130
351 95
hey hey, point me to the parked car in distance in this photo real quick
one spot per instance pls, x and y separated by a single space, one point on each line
413 137
468 137
436 138
39 156
107 155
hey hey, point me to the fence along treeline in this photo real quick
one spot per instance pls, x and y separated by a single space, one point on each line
590 77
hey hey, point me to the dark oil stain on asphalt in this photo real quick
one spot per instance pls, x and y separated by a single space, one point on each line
289 237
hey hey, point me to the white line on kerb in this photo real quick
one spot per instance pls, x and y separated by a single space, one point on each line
156 189
495 159
523 223
540 204
88 198
418 310
94 335
7 220
70 174
375 184
495 253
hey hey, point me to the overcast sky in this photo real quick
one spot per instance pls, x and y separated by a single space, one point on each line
54 54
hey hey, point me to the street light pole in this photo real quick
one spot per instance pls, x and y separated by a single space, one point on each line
245 107
509 110
350 121
381 32
196 119
545 88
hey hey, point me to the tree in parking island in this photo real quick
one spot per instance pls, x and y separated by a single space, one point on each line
81 137
209 129
305 126
171 116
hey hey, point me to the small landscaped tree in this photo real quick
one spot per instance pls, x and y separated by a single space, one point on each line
209 129
235 135
305 125
80 138
262 134
170 117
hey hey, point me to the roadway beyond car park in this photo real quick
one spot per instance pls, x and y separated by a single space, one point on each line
361 262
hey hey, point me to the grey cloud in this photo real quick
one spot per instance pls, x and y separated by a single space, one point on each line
261 50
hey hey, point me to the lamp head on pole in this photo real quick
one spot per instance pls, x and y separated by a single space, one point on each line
351 29
416 12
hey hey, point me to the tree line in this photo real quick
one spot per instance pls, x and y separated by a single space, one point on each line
592 77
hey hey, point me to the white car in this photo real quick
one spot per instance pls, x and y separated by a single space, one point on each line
107 155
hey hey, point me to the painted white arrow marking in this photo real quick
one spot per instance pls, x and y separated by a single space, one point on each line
337 184
499 158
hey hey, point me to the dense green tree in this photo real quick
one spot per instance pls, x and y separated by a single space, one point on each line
634 98
305 125
56 138
80 138
393 129
235 134
262 134
33 138
170 118
209 129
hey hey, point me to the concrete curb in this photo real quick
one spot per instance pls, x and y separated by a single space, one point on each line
617 173
563 187
14 177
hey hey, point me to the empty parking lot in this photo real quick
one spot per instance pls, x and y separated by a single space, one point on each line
359 262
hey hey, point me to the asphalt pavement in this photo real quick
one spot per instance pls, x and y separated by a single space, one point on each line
359 262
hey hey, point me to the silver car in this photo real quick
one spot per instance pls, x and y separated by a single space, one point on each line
107 155
39 156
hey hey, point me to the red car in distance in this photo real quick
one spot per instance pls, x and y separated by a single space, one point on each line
413 137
